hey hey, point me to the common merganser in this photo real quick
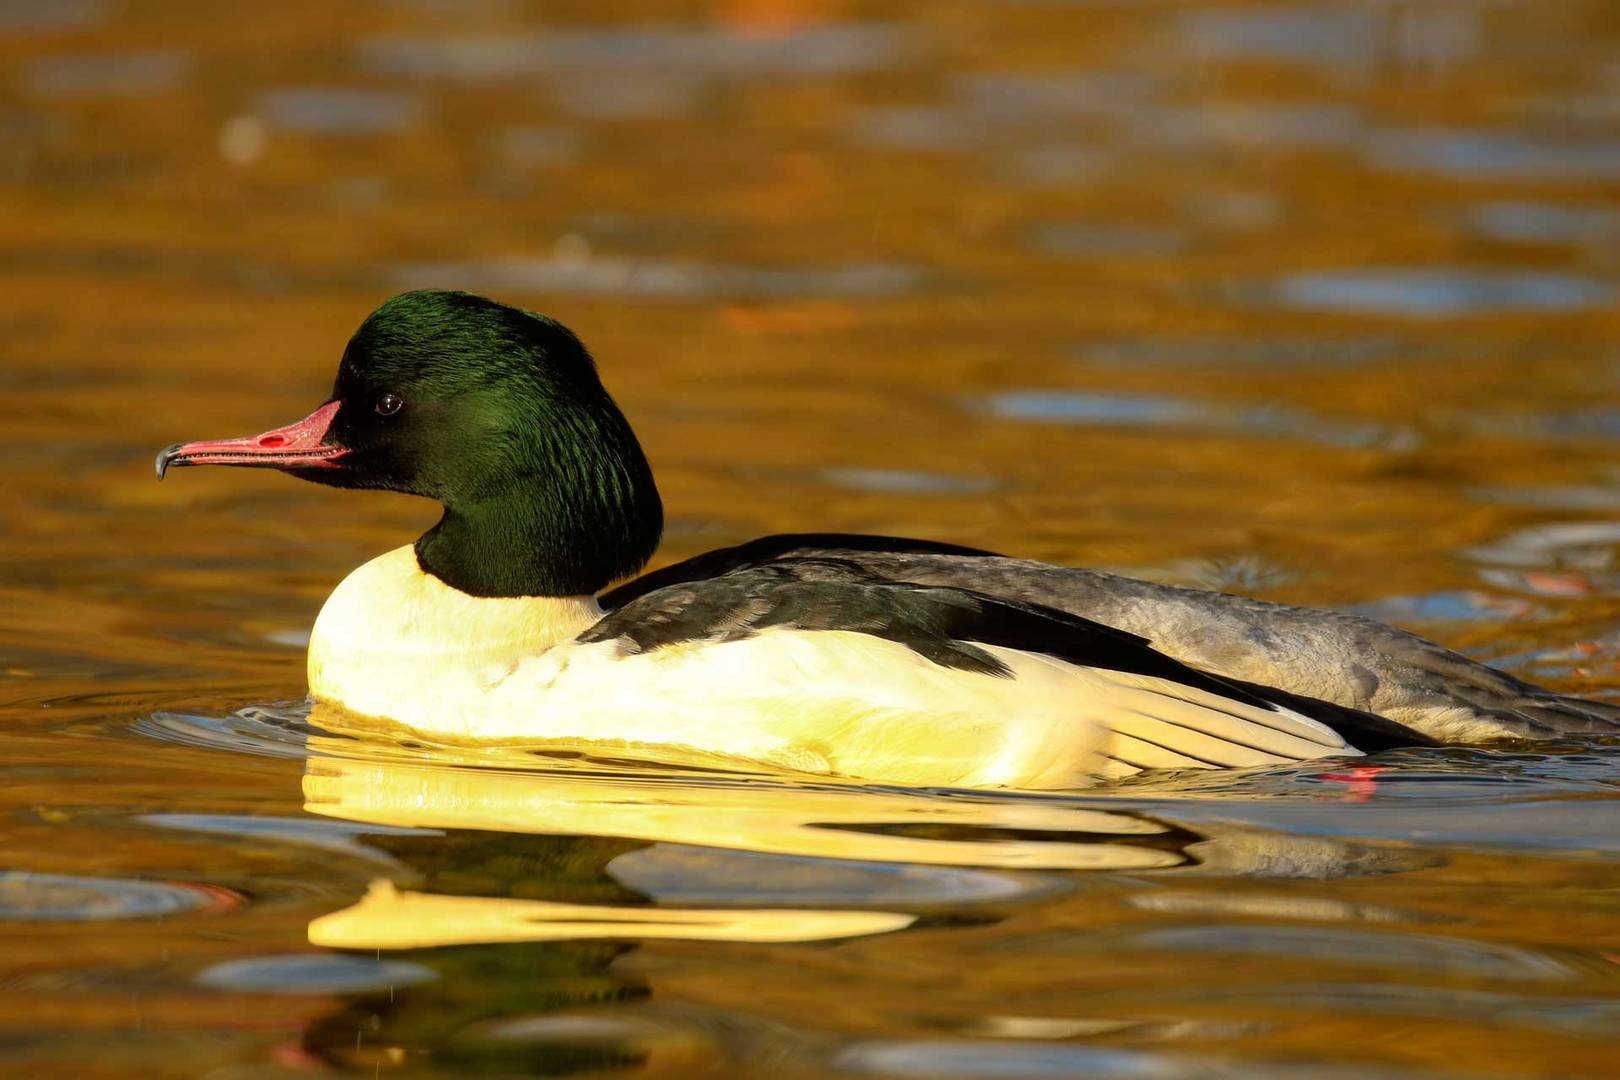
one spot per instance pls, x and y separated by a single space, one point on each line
875 658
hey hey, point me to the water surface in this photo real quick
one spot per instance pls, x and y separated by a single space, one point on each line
1314 301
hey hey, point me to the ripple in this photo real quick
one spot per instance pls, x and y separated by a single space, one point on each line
688 281
1562 424
836 49
1555 584
1553 498
1494 155
1339 37
1019 97
93 75
1105 409
908 482
538 146
695 1041
1056 163
950 1059
1249 125
1460 605
1005 1026
1319 35
1109 409
672 873
642 95
31 897
334 110
1415 952
1583 1016
551 1027
913 127
1583 544
1259 852
998 108
1577 660
1544 223
1251 905
291 638
277 730
1214 126
1438 292
1239 573
1006 1058
1577 1015
313 973
337 837
1321 351
1452 798
1100 239
34 16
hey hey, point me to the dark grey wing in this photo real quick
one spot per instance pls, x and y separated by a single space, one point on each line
1344 659
801 595
941 624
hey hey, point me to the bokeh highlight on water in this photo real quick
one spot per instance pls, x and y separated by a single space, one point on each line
1311 300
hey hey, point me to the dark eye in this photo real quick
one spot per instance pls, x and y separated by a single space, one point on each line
389 404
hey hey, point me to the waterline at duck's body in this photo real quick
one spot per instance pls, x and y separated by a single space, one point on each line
394 643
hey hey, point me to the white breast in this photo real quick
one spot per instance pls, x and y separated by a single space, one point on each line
392 639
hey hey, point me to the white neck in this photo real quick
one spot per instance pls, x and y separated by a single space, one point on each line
391 630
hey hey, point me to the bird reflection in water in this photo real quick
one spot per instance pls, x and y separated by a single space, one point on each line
584 912
544 895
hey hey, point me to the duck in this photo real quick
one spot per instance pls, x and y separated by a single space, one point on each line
519 616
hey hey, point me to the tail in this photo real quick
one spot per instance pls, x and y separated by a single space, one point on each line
1457 699
1545 713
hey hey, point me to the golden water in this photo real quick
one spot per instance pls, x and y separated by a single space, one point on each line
1311 301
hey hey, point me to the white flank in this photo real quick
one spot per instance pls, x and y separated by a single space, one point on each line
395 643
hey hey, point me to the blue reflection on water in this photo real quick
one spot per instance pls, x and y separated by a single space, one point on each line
315 973
333 110
908 481
684 280
25 16
1085 407
1461 605
1104 409
1318 34
1493 154
1530 222
696 50
1439 292
93 75
1213 351
31 897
